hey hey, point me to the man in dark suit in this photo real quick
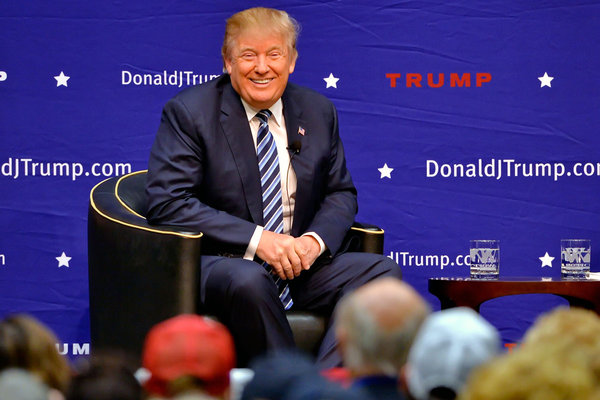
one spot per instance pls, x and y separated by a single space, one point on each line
257 165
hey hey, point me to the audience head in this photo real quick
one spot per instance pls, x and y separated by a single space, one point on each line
573 327
321 390
449 345
27 344
558 359
188 353
18 384
376 325
576 325
276 373
105 376
549 371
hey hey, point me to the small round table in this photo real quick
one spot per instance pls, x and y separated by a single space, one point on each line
467 292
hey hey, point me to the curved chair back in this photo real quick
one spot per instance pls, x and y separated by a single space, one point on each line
131 190
141 274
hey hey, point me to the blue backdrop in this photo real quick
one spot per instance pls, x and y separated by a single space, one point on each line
461 120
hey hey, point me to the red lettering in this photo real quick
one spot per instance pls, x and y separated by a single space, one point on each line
510 346
483 77
464 81
413 79
393 78
435 85
456 79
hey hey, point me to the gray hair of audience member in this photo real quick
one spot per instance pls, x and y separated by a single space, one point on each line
376 325
278 21
19 384
449 345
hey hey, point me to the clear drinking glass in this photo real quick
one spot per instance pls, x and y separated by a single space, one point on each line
485 259
575 258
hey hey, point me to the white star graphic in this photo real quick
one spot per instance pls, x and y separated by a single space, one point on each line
545 80
63 260
546 260
331 81
61 80
386 172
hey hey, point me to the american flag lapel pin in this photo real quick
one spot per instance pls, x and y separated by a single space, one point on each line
301 131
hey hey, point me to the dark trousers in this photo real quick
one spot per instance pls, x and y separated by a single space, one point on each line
244 297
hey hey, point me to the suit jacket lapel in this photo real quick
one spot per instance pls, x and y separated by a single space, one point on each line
295 124
237 131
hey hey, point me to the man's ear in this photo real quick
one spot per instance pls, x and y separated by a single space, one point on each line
227 65
293 62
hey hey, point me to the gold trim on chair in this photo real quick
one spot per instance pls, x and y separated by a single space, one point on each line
119 197
379 231
144 228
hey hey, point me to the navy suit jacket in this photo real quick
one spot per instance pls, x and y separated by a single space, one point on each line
203 173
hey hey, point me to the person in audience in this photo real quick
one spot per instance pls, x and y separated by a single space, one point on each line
290 375
19 384
104 376
375 327
275 372
26 343
449 345
540 371
558 359
188 357
321 391
576 326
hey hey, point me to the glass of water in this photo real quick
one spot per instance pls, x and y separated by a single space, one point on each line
485 259
575 258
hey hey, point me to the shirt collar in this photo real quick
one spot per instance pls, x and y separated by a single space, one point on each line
276 109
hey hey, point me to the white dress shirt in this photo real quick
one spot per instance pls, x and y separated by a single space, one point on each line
288 176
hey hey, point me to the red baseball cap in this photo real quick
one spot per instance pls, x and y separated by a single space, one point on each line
188 345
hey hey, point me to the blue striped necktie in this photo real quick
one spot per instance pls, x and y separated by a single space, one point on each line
270 181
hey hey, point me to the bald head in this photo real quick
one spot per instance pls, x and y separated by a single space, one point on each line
376 325
390 302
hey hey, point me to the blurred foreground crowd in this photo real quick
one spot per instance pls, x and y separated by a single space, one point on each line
392 345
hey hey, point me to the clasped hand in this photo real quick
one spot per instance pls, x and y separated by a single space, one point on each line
287 255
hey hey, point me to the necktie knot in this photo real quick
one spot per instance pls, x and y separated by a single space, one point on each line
264 115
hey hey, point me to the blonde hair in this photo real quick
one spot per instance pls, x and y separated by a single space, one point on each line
578 326
26 343
548 371
559 358
258 17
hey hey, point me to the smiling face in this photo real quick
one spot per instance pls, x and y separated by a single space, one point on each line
259 65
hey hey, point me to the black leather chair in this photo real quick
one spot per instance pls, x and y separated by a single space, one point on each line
141 274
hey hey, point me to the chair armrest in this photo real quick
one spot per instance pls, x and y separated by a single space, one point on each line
365 238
